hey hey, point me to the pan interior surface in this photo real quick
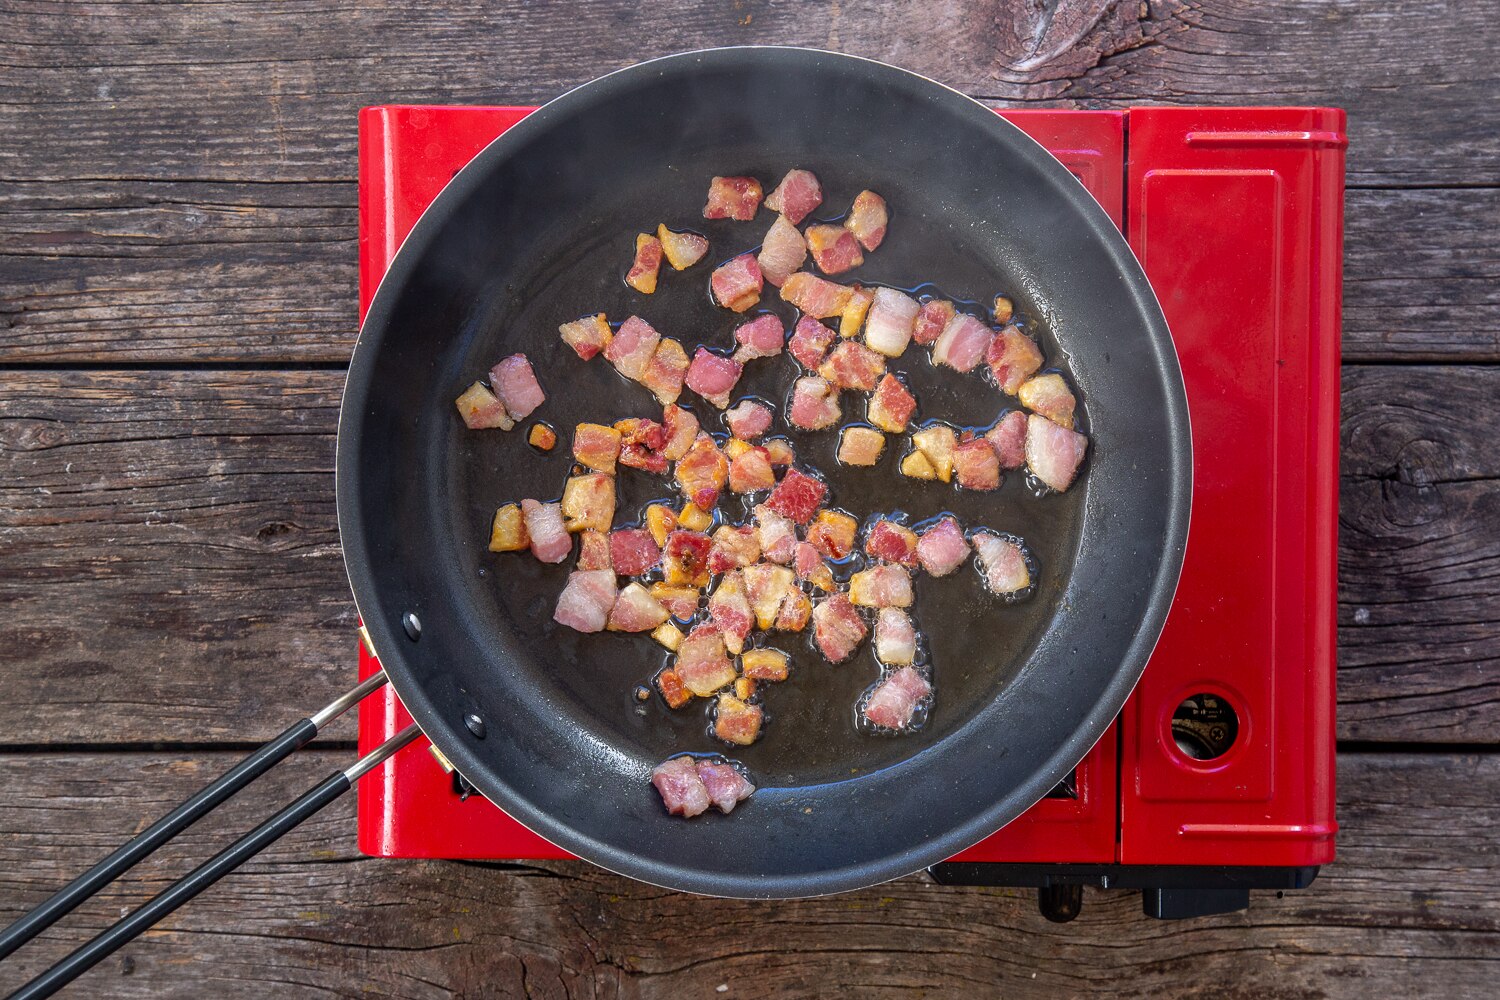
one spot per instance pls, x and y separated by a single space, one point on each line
538 230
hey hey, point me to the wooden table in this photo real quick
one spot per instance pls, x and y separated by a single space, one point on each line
177 303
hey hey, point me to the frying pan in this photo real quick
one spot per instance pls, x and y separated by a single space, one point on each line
536 231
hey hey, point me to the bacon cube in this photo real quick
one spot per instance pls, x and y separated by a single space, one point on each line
867 219
734 547
892 542
977 465
713 377
669 635
643 270
516 385
682 250
1003 310
482 409
797 195
892 405
508 530
673 691
941 549
682 790
861 445
762 337
795 612
1004 563
798 496
751 472
963 343
702 663
681 602
1053 453
729 609
779 452
815 296
665 371
636 610
933 317
1013 358
694 518
937 444
894 701
661 520
632 551
587 336
748 419
882 586
545 531
632 347
585 602
852 365
685 558
777 535
810 342
895 638
810 567
765 665
833 532
682 430
1047 395
837 628
782 252
893 318
853 316
702 472
726 786
596 446
737 283
1008 438
834 249
541 437
732 198
588 502
766 588
593 550
815 404
918 466
736 721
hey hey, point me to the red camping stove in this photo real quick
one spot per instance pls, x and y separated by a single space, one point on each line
1218 775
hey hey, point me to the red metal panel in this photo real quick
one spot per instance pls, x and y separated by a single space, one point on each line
1236 216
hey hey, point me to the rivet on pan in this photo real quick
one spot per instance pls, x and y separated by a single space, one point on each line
413 625
475 725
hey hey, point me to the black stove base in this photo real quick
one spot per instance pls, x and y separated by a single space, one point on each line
1168 892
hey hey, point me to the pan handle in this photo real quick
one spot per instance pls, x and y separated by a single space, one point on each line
210 871
127 855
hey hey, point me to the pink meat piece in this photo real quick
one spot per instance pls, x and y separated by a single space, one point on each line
632 347
1013 358
550 541
895 637
815 404
736 283
681 428
892 406
963 343
586 336
751 472
748 419
734 546
730 611
891 542
726 786
894 700
884 585
782 252
1002 562
593 551
798 496
586 601
682 789
976 465
852 365
837 628
516 385
636 610
732 198
942 548
702 472
762 337
816 296
797 195
702 662
632 551
810 342
892 318
713 377
1053 453
934 316
777 535
867 219
1008 438
834 249
807 559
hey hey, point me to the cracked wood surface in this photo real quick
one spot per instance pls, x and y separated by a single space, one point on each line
154 525
310 918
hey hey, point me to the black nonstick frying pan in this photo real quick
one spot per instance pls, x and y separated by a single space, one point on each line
537 230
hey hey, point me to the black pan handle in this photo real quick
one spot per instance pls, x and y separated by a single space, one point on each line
127 855
210 871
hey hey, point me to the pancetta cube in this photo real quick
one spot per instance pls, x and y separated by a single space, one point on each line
798 496
810 342
796 196
867 219
1004 563
632 551
673 691
761 337
852 365
893 317
681 602
541 437
597 446
1013 358
515 384
588 502
593 550
682 790
815 296
1008 438
736 721
729 609
834 249
833 531
795 612
585 602
737 283
777 535
942 548
766 588
1046 395
685 558
632 347
852 319
837 628
860 446
750 472
682 250
882 586
682 430
748 419
976 465
894 701
661 520
808 563
587 336
482 410
892 542
891 406
643 270
702 663
732 198
666 370
734 547
779 452
702 473
545 531
1053 453
636 610
933 317
937 443
726 786
765 664
814 405
963 343
508 530
782 252
713 377
895 638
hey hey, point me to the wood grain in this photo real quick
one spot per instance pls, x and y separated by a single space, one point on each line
1409 906
155 526
246 90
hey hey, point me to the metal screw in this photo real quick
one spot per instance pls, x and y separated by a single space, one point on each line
475 725
413 625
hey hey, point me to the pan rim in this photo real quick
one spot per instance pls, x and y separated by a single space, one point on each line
1095 722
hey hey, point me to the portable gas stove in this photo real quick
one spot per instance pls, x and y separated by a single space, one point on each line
1218 775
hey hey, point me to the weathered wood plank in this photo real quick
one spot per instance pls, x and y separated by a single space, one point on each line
105 272
1409 906
246 90
158 525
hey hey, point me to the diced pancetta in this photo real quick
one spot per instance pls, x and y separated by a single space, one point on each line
892 405
1003 309
837 628
834 249
508 530
734 547
682 250
1008 438
833 531
593 550
682 430
937 443
665 371
976 465
894 701
895 638
729 610
815 404
815 296
1053 453
737 721
737 282
867 219
761 337
681 602
777 535
647 263
795 612
882 586
549 538
750 471
934 316
632 551
748 419
810 342
596 446
732 198
632 347
860 446
852 319
681 788
1003 562
1013 358
852 365
587 336
516 385
766 587
588 502
702 663
941 549
892 542
765 664
482 409
636 610
685 558
798 194
810 567
779 451
1047 395
798 496
893 317
963 343
585 602
782 252
713 377
702 472
726 786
